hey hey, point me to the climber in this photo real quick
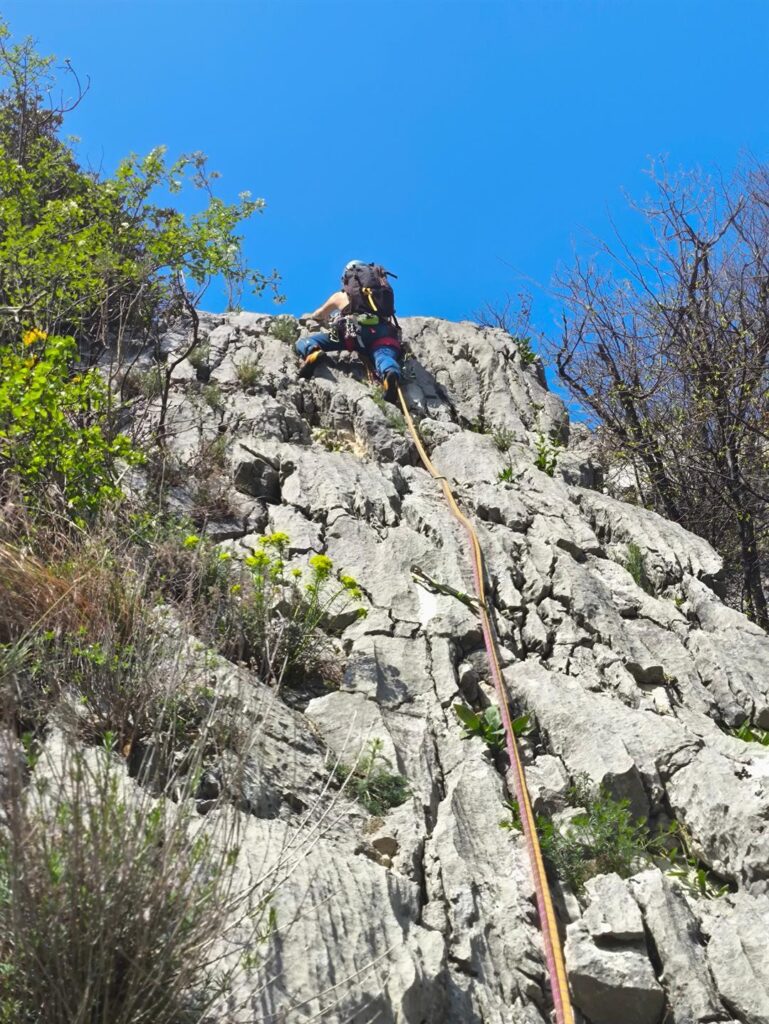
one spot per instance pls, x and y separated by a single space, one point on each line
361 318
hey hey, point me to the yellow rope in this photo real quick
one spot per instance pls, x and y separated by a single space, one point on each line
549 926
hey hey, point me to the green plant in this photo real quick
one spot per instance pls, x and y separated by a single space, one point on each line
149 384
524 349
55 432
682 865
547 454
249 371
199 355
275 617
752 734
102 258
635 566
285 328
112 901
488 724
393 417
371 782
503 439
505 476
212 397
602 838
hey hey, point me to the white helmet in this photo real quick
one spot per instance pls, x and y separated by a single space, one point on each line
354 263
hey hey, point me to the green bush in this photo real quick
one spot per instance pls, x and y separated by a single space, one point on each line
372 783
603 838
112 901
98 258
503 439
249 372
547 454
54 424
635 566
285 328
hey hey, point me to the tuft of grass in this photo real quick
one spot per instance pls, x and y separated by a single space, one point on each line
112 901
503 439
635 566
393 417
505 476
752 734
249 371
372 783
285 328
198 357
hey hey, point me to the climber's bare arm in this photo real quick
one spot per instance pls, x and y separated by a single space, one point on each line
336 301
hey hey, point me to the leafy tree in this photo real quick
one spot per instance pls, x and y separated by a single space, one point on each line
105 261
101 257
668 349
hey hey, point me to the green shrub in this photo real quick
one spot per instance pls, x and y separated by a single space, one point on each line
505 476
488 724
547 454
285 328
112 901
603 838
249 372
635 566
198 356
102 258
503 439
524 349
54 424
372 783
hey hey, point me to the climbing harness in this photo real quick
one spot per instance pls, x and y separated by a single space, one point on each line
553 953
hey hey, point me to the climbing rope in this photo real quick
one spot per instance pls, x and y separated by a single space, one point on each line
553 953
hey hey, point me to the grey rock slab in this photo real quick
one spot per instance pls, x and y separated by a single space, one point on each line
547 783
612 984
319 481
678 942
500 503
626 750
345 947
390 670
669 551
734 667
481 876
737 928
304 535
612 913
348 722
469 458
724 805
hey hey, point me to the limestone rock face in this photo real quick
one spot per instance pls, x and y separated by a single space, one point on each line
426 913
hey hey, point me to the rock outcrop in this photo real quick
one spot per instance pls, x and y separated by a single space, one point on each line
426 913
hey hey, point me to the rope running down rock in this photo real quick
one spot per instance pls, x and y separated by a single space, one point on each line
553 953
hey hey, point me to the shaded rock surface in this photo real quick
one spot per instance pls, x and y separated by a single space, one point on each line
427 913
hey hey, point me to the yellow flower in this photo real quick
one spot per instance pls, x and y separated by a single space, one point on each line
30 337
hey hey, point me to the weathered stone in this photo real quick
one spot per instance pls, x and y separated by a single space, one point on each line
612 984
736 928
612 913
675 934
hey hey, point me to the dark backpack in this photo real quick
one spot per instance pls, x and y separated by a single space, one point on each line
369 291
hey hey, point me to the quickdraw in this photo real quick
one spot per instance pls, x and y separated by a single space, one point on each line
553 952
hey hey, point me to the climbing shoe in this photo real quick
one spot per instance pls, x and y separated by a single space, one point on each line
311 363
390 387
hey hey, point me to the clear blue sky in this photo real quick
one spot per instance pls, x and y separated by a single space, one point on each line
465 144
